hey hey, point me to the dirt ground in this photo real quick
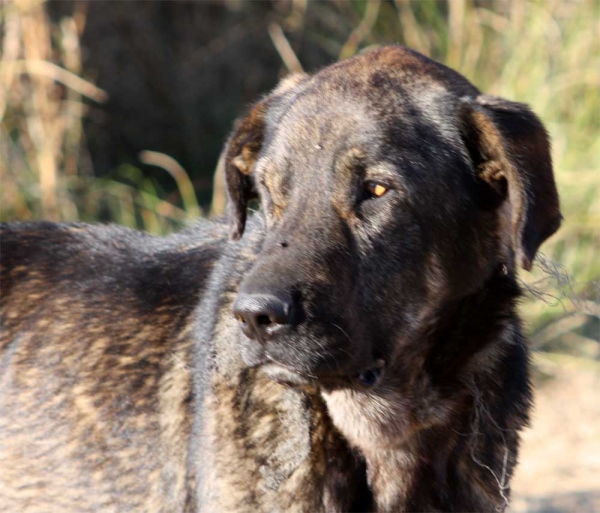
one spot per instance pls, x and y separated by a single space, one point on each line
559 468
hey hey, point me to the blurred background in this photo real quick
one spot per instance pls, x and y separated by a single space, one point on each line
117 112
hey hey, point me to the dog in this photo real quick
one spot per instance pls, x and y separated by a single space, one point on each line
354 346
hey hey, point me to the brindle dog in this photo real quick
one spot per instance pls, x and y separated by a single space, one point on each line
358 349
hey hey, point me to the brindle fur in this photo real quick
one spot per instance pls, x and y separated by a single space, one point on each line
126 384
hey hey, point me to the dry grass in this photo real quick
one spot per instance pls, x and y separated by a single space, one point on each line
46 172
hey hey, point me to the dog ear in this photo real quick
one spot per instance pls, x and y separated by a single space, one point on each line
242 151
510 150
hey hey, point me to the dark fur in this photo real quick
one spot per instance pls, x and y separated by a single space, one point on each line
126 384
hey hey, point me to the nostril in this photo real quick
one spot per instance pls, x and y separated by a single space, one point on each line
263 320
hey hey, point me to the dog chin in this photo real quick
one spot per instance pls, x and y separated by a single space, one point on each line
286 376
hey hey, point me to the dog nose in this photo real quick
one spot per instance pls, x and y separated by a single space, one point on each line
260 316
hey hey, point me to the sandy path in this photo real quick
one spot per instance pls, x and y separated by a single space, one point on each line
559 468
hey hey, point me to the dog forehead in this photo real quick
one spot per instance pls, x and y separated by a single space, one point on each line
361 98
390 103
322 126
329 118
315 135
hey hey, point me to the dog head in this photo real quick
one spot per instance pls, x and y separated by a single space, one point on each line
388 185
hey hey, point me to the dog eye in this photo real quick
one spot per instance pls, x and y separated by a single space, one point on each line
374 189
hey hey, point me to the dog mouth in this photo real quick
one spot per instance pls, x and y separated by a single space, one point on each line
329 371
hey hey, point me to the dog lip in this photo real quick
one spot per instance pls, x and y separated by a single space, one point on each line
369 377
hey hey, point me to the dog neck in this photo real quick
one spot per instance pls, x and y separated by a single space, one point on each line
422 433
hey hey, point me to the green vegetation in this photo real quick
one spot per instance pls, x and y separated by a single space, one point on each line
544 53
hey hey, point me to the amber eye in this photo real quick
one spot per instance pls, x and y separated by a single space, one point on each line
374 189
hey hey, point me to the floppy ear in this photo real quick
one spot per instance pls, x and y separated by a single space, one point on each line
242 151
510 150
